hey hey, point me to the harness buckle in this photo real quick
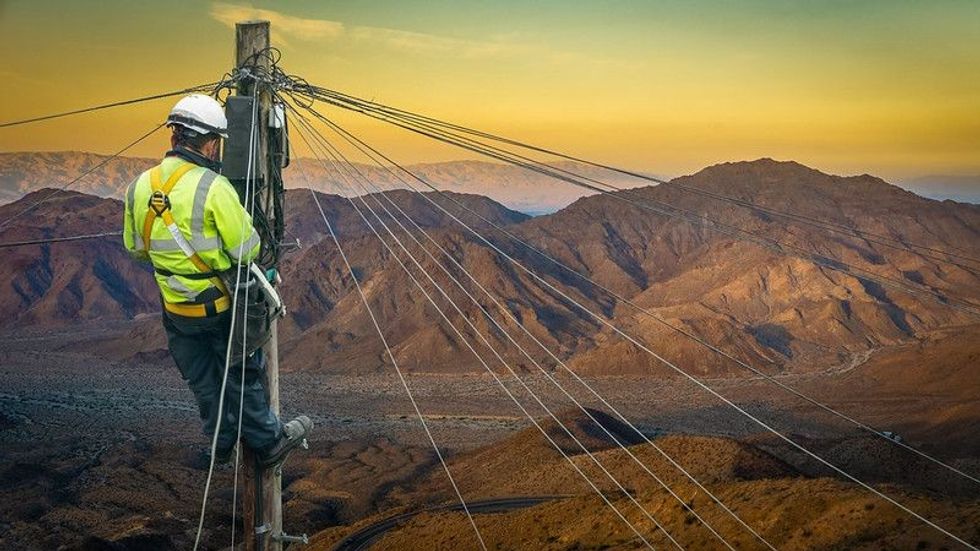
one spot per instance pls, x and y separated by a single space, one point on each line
159 202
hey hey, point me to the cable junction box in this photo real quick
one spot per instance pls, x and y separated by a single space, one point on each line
239 111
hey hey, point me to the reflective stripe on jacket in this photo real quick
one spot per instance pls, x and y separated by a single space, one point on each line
206 209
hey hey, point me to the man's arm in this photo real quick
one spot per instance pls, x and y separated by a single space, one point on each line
240 240
130 237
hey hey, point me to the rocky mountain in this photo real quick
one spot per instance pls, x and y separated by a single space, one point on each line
779 312
71 282
61 283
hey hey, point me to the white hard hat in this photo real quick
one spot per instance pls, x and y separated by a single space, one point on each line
200 113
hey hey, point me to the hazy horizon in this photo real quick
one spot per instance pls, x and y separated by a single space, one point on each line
648 170
960 188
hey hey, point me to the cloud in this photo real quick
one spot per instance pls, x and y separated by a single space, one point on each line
428 43
282 24
309 29
287 27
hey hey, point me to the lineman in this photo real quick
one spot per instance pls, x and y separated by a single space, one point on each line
186 219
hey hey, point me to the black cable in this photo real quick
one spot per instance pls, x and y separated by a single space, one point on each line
799 218
803 219
676 212
729 402
11 244
99 165
374 154
261 70
199 88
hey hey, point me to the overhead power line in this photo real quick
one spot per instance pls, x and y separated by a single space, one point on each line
489 370
360 145
45 241
350 167
198 88
829 225
633 198
78 178
695 338
644 347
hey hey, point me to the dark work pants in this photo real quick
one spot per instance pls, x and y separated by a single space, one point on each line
198 346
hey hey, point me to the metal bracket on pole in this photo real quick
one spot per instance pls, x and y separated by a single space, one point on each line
304 444
259 530
286 538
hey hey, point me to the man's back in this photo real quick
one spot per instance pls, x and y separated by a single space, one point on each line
205 210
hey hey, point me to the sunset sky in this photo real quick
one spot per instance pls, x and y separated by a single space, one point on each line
890 87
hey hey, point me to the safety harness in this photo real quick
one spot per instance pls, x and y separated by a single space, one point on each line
159 207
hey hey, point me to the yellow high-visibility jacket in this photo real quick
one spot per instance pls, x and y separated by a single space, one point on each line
206 209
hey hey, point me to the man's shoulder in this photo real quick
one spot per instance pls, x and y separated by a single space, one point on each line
218 177
219 181
220 189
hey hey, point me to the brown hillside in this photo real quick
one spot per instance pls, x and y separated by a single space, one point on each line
789 510
73 281
795 514
527 464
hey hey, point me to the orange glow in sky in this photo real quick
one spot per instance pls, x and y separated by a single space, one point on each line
886 87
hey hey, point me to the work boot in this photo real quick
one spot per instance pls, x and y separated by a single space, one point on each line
294 434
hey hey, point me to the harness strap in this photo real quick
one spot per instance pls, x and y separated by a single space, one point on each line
159 200
202 275
205 310
159 207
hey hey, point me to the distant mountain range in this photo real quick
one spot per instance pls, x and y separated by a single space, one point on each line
22 173
514 187
780 312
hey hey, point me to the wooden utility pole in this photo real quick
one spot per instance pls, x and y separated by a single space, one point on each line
262 499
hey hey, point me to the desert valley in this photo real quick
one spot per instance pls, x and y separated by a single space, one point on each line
101 442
